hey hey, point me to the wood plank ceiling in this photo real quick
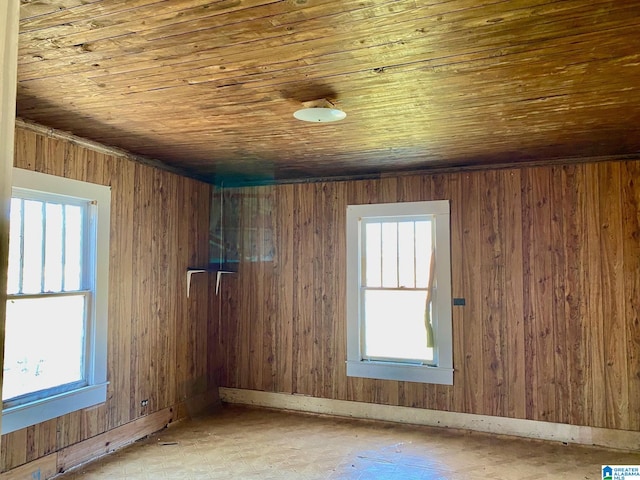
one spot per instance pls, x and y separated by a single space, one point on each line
209 87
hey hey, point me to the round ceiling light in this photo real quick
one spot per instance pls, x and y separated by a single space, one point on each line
321 111
319 114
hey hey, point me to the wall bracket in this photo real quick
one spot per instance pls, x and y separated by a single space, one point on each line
190 273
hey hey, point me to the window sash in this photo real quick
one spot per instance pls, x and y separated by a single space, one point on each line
82 240
369 257
86 240
379 257
85 367
395 359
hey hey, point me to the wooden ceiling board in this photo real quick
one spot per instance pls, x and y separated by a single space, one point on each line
209 87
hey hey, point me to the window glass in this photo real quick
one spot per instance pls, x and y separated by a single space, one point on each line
32 243
395 325
51 358
73 248
54 253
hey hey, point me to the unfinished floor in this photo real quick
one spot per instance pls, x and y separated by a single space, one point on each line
249 443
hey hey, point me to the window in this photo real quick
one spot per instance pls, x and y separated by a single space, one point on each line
399 292
55 342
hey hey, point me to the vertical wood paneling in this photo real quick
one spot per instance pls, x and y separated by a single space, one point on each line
231 331
173 283
255 233
561 358
199 234
303 298
457 289
183 329
53 161
511 228
93 421
546 259
492 271
121 279
267 272
630 179
573 348
284 251
141 312
32 444
595 296
472 283
327 234
614 330
157 345
16 452
578 343
541 291
69 429
46 435
316 287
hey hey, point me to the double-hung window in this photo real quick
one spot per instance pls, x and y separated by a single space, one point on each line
55 341
399 292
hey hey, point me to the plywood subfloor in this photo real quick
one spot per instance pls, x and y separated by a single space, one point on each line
247 443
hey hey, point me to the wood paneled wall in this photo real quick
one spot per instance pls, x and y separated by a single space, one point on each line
158 339
547 258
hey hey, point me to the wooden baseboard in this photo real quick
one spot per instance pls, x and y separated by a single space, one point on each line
113 439
110 441
559 432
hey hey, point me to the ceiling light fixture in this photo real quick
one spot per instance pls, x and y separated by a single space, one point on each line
319 111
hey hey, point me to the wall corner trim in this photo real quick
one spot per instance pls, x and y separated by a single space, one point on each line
559 432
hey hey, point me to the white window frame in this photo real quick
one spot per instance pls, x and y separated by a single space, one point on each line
441 370
94 391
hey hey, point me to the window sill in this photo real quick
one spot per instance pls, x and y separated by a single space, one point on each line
400 372
22 416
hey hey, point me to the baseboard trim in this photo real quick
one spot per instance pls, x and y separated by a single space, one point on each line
111 440
559 432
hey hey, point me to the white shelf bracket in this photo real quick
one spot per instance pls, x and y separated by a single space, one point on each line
190 272
219 274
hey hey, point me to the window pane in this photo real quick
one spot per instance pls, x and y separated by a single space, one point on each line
53 248
373 266
73 248
423 253
394 325
44 344
15 228
389 254
33 236
406 251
